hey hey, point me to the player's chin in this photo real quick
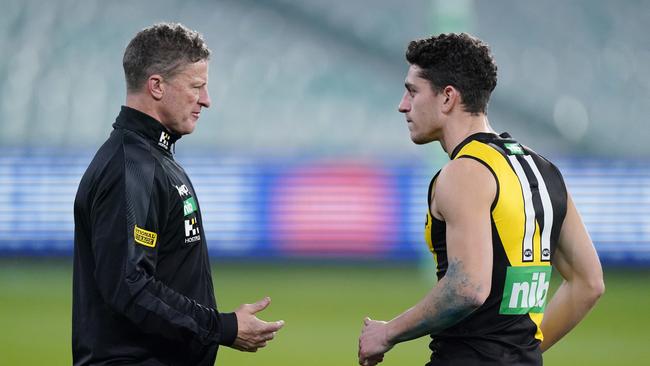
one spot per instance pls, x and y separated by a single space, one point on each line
418 140
421 139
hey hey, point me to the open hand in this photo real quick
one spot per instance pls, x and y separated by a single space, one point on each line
253 333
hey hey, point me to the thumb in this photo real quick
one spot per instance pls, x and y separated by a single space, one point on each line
366 320
260 305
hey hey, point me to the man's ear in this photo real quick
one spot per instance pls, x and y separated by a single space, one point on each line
155 86
451 98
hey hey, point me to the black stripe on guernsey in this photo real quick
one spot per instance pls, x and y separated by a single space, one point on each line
496 196
529 210
546 220
537 212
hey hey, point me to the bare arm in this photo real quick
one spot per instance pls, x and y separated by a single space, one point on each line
464 193
578 263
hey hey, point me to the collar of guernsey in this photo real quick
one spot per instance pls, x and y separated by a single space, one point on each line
147 126
480 136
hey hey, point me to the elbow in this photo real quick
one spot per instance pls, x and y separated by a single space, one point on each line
478 300
474 297
120 293
591 289
469 289
596 289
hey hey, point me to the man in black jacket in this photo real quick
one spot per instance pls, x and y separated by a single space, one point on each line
142 288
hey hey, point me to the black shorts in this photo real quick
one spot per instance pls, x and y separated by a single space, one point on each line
465 352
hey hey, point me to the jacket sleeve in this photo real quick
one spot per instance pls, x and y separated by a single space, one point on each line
127 215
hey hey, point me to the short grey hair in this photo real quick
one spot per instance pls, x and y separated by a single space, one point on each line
163 48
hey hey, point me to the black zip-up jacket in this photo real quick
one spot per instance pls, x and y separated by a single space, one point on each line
142 286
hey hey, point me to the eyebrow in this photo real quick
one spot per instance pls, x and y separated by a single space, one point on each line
409 86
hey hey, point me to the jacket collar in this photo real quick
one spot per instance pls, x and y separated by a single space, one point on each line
147 126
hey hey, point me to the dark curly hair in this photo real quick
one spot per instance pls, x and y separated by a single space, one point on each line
459 60
162 48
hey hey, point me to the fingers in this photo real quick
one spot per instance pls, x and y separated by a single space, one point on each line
377 359
266 331
371 361
272 326
260 305
370 351
269 336
254 333
254 346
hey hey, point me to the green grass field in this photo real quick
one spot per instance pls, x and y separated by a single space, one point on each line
323 307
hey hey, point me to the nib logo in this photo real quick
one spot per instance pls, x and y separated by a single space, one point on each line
189 206
525 290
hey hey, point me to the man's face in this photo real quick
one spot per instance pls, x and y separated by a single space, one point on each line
184 95
419 105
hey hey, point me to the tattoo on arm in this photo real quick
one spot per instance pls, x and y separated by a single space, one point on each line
448 305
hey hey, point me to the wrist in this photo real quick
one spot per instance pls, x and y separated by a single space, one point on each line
390 334
229 328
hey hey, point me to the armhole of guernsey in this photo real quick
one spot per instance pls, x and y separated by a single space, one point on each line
516 232
429 219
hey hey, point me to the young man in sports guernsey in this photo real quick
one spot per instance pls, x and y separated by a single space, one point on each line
499 218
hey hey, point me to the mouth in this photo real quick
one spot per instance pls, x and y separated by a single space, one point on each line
409 123
196 114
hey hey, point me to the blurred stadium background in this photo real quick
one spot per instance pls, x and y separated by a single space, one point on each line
310 187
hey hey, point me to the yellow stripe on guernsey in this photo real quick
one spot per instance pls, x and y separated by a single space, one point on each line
509 213
427 235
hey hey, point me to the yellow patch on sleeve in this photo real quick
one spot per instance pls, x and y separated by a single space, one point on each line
144 237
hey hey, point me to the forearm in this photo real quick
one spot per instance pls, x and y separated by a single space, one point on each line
570 303
158 309
453 299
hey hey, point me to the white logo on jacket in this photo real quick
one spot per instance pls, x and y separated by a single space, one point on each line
192 230
182 190
163 141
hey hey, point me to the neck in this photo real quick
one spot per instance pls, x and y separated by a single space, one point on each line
136 101
458 129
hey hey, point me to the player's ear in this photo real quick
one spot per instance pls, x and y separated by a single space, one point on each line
156 86
451 97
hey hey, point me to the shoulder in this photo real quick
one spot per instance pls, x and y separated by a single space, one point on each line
550 173
464 182
129 157
135 146
542 161
465 171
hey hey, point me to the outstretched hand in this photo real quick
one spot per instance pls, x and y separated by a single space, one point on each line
253 333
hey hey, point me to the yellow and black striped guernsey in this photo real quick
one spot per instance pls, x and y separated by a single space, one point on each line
527 215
